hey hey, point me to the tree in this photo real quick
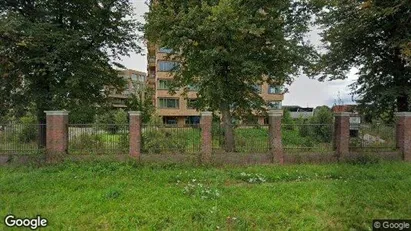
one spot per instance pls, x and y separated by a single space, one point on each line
373 36
58 54
226 47
141 100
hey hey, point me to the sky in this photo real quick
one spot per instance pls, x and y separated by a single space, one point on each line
303 91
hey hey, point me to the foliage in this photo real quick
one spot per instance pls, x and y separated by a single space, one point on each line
142 100
227 47
323 117
61 54
87 143
374 37
159 140
112 121
29 129
252 178
199 190
288 120
82 114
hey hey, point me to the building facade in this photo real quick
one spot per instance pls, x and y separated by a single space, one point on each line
135 83
177 109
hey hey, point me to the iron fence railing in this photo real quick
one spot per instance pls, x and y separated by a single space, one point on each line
158 139
371 137
251 138
98 139
299 138
22 138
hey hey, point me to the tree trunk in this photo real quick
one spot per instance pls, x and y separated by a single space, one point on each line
402 103
229 143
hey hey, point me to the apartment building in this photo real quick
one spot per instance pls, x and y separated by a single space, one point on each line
135 83
177 109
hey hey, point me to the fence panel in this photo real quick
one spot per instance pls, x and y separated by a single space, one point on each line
298 138
253 138
98 139
162 139
374 137
22 138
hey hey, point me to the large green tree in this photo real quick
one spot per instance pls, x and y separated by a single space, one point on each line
375 37
58 54
226 47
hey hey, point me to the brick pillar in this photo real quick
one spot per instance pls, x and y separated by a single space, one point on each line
341 133
276 143
403 134
56 135
135 134
206 139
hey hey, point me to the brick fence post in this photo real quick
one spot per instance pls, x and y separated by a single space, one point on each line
135 134
275 138
403 134
341 133
56 135
206 137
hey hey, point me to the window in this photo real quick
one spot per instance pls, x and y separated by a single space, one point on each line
275 89
257 88
192 120
274 105
170 120
167 65
168 103
165 50
133 77
191 103
163 84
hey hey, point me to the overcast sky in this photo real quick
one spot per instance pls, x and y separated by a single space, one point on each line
303 92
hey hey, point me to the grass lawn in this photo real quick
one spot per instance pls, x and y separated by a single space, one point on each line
125 196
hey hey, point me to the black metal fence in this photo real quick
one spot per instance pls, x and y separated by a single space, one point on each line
299 138
158 139
252 138
373 137
86 139
22 138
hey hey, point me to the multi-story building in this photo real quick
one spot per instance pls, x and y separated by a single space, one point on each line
135 83
177 109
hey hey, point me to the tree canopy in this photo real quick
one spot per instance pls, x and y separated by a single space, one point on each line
374 37
59 54
227 47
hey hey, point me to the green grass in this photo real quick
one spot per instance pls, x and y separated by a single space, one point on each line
124 196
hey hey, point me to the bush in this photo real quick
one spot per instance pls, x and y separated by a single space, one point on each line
287 120
112 121
157 141
87 142
28 133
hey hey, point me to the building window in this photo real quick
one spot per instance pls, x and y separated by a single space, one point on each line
191 103
274 105
163 84
192 120
168 103
168 120
167 66
257 88
165 50
192 87
273 89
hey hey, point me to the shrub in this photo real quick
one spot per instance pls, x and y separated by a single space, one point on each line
158 140
87 142
112 121
287 120
28 133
